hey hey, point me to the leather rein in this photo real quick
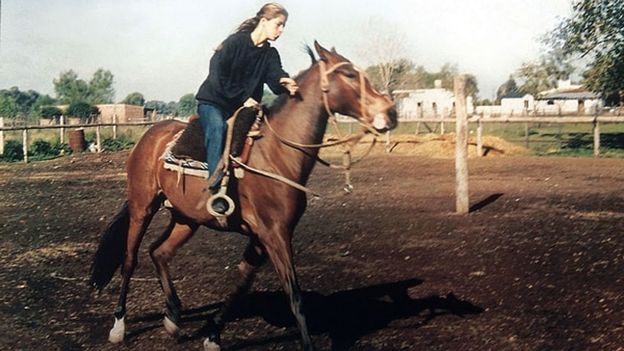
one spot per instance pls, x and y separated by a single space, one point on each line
347 161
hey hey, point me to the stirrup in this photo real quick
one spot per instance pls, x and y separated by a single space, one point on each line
224 197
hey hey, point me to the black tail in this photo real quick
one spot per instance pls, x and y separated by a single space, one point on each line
111 251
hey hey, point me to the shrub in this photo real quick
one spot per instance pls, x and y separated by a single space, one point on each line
50 112
82 109
117 144
13 151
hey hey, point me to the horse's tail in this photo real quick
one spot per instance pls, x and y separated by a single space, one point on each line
111 250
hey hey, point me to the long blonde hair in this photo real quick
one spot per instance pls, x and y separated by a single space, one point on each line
269 11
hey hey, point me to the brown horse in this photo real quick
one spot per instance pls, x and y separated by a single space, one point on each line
267 210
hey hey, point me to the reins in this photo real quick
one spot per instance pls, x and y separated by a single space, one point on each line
347 160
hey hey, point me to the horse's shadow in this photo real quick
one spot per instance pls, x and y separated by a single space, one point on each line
344 316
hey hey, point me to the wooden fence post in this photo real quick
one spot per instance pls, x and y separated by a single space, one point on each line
461 146
479 137
62 130
596 138
98 139
1 136
25 144
115 126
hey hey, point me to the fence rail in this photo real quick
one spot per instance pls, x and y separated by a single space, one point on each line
595 120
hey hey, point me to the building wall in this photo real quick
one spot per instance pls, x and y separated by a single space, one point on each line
125 113
436 102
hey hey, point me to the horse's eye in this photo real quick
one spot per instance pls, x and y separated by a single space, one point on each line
349 74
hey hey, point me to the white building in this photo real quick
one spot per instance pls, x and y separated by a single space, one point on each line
418 103
568 98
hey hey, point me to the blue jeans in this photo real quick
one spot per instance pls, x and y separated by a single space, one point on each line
213 122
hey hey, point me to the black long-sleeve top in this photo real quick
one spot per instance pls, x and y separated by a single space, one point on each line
238 71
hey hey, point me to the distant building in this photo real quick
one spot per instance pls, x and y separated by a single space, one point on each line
121 113
124 113
568 98
418 103
517 103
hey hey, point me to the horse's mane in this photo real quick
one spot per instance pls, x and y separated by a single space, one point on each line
281 100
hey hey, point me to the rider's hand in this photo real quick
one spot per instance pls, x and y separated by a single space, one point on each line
250 103
290 85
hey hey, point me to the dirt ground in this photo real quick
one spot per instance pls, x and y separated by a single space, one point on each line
536 265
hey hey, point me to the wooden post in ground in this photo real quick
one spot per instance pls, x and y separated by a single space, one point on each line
115 126
62 130
25 144
596 138
461 146
98 139
479 137
1 136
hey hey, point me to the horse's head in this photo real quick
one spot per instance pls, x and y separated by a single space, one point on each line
347 90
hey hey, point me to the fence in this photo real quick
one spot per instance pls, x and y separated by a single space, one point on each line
62 128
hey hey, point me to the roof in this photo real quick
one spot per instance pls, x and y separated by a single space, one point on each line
514 95
570 95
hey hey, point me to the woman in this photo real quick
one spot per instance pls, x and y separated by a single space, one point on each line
239 68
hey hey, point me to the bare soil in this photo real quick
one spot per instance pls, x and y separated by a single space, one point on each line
536 265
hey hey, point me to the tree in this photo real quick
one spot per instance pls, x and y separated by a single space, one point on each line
187 105
135 98
595 30
69 88
82 109
386 49
542 75
101 87
506 88
8 106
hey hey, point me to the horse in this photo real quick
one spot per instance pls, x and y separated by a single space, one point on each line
267 210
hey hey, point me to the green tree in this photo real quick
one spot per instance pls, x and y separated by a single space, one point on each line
69 88
42 102
510 86
101 87
81 109
8 106
595 30
187 105
543 74
49 112
135 98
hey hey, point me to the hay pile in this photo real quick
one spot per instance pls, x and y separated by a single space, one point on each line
432 145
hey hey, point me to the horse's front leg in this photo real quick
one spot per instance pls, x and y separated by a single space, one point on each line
279 249
161 252
253 258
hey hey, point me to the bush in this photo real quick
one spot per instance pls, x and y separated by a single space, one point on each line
81 109
117 144
50 112
13 151
44 150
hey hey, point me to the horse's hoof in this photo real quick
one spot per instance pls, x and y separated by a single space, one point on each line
116 335
171 327
211 345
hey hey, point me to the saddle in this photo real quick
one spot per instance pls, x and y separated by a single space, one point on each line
187 153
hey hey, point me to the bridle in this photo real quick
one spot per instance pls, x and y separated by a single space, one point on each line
325 86
347 161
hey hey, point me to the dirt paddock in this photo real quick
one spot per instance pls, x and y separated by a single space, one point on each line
537 264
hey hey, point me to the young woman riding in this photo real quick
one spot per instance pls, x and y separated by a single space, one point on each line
239 68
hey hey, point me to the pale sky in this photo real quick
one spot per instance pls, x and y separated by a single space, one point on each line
161 48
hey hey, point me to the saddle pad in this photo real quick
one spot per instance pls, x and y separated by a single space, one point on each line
184 166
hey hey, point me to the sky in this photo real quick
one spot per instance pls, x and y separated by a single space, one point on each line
161 48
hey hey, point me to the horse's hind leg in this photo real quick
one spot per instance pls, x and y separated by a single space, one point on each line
139 220
162 251
253 258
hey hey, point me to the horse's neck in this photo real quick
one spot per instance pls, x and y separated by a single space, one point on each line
302 121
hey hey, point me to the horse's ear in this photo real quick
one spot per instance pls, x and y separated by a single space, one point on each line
321 51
